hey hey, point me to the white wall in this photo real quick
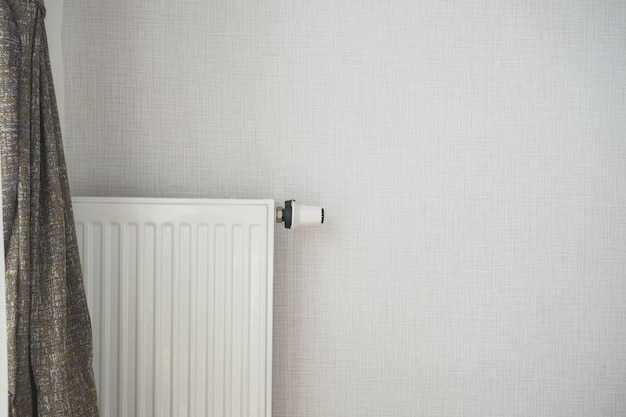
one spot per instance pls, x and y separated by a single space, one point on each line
54 25
471 157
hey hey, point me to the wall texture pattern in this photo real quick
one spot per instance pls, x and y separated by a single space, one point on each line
471 156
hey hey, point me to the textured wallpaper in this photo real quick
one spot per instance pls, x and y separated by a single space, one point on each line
471 157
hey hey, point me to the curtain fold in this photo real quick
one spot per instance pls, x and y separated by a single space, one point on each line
49 331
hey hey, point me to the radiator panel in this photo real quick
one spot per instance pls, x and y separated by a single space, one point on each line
180 297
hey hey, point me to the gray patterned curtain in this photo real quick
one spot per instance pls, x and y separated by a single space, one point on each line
49 330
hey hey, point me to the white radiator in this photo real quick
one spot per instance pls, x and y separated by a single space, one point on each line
180 296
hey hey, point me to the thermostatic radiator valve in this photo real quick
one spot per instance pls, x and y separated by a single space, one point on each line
296 215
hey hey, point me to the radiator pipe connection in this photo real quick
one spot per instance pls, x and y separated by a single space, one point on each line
296 215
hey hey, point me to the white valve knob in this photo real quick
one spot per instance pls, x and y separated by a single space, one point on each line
296 215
